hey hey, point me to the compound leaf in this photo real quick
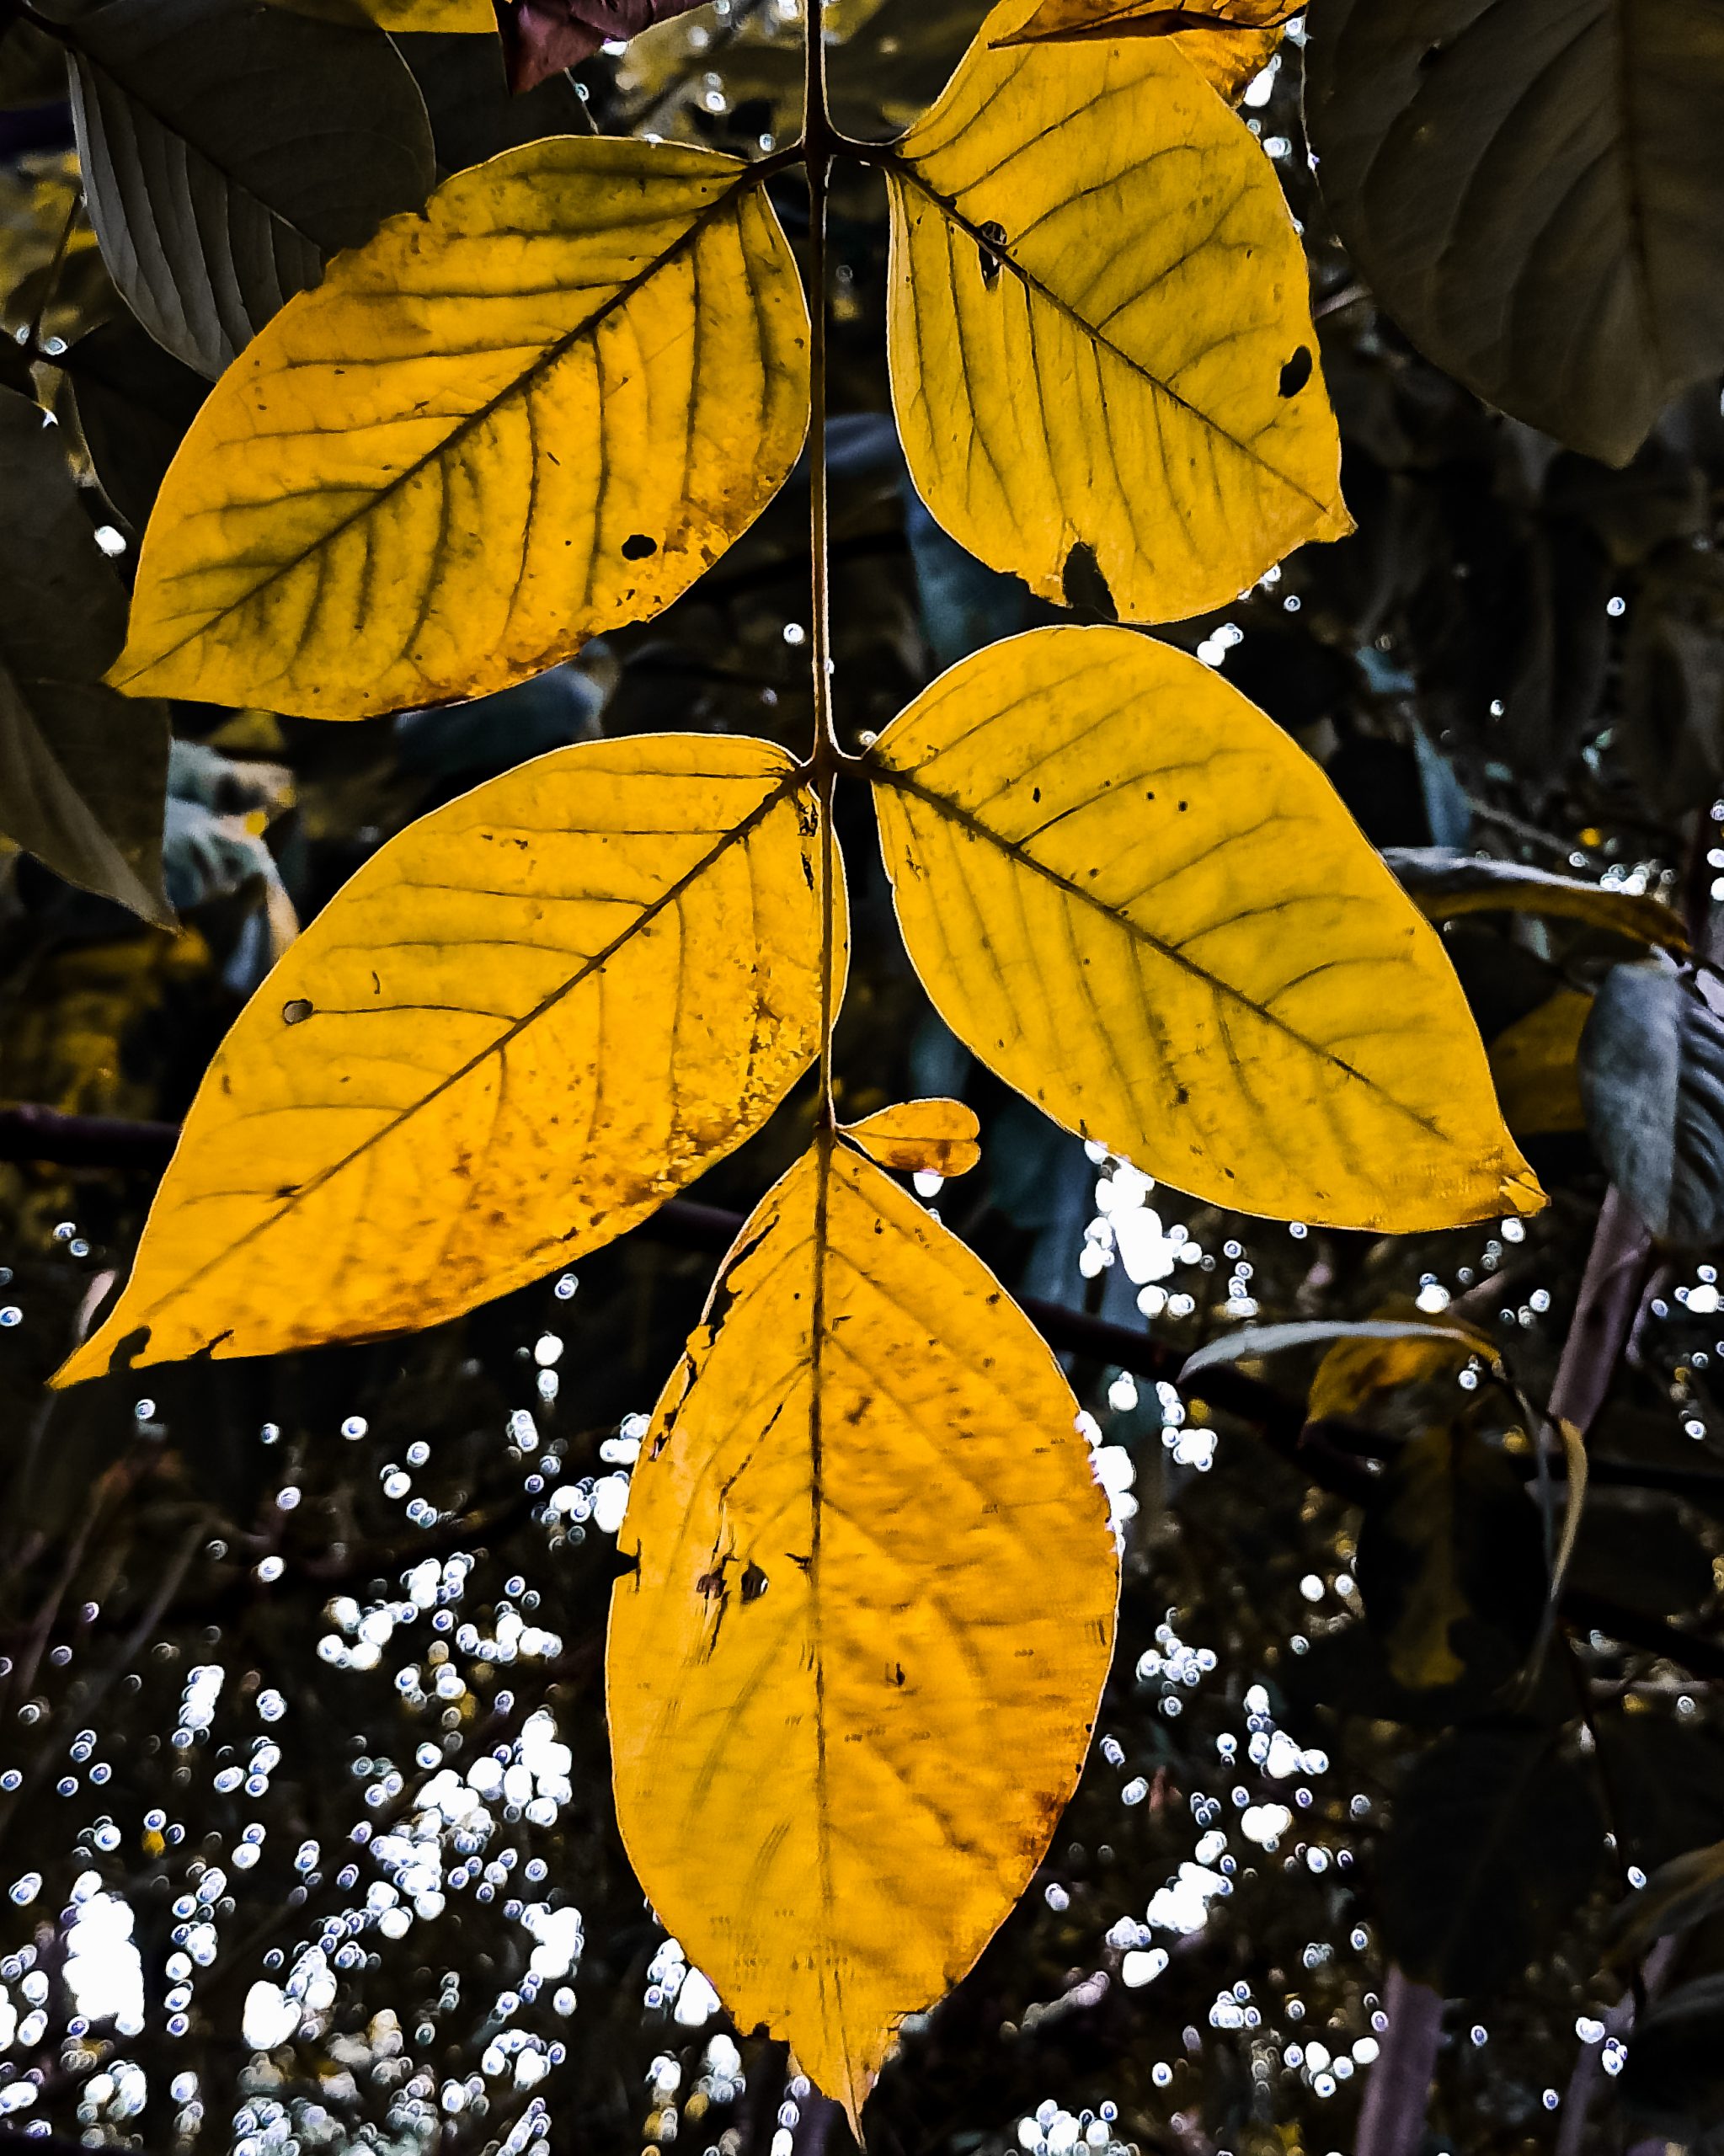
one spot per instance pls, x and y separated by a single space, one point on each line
1530 187
1099 336
1131 894
83 773
525 1022
535 412
852 1683
229 147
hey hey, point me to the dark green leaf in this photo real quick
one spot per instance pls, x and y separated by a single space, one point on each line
1530 187
134 402
473 116
32 66
1651 1075
228 147
1496 1836
1684 1892
82 771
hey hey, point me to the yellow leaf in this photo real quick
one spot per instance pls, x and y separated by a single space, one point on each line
1099 330
1127 891
937 1137
524 1023
472 17
1533 1064
535 412
850 1686
1227 41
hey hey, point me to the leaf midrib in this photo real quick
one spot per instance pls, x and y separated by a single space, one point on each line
943 805
905 169
748 176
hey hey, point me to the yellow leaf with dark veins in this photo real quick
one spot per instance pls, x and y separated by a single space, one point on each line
523 1024
852 1683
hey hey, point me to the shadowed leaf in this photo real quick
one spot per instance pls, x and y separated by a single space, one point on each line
1446 883
1534 1066
1530 189
83 772
229 147
1651 1075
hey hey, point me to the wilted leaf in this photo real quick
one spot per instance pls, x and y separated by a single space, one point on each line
1530 189
1446 883
1534 1066
524 1023
1227 41
937 1137
1451 1563
1130 894
83 771
536 412
1651 1075
1496 1836
852 1683
1100 338
229 147
134 402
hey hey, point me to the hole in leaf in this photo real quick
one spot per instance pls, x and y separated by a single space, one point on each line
636 546
1297 372
294 1013
1085 587
754 1584
991 238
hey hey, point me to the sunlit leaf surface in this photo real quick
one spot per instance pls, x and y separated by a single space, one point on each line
853 1679
524 1023
535 412
1129 893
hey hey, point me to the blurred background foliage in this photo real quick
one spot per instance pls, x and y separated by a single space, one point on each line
303 1783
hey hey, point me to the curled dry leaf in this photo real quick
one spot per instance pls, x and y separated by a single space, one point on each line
1136 392
851 1682
1227 41
937 1137
1130 894
524 1023
535 412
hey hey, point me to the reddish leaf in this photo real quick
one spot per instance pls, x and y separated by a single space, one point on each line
542 37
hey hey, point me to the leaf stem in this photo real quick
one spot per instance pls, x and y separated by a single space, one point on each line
825 756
